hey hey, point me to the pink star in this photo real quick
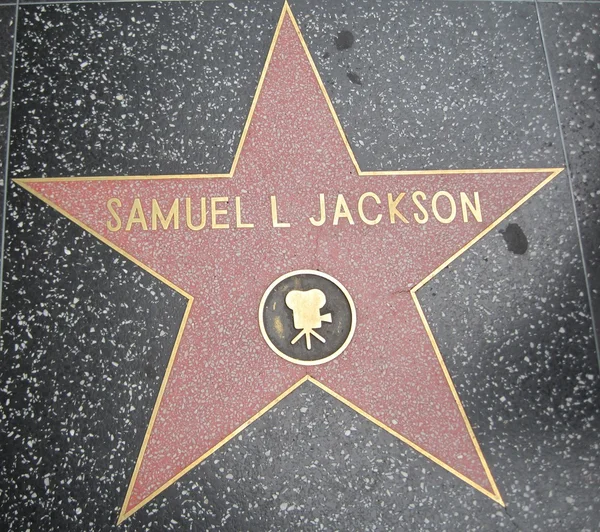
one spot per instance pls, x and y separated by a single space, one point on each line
222 375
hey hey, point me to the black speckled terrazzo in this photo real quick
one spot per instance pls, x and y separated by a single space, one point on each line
572 40
440 84
135 89
520 348
86 338
7 14
125 89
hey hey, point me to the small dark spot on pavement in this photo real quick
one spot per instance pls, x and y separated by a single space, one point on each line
354 78
515 239
344 40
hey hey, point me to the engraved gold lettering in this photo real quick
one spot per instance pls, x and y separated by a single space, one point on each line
238 215
434 208
188 214
393 207
416 195
321 221
361 212
172 216
475 209
110 205
214 212
342 211
136 216
443 206
274 218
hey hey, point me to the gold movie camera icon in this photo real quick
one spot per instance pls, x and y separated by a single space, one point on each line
306 307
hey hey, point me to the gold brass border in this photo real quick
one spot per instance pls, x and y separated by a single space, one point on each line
263 331
553 172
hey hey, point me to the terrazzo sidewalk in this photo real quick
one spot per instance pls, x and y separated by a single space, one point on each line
511 437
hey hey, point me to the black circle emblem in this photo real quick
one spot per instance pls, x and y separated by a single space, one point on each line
307 317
